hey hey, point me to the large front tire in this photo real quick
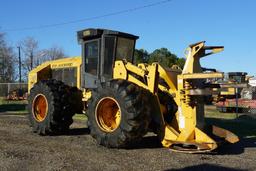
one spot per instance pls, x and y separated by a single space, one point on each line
117 114
49 108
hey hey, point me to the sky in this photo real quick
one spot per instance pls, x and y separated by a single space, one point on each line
174 24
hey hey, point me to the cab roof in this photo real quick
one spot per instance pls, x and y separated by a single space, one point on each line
94 33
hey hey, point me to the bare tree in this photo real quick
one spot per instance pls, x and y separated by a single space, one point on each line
7 61
33 56
50 54
54 52
29 48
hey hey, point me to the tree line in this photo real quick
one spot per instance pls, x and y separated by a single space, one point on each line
163 56
32 55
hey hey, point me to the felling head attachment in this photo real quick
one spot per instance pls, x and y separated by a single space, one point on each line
196 51
192 135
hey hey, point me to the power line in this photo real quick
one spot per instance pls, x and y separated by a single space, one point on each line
89 18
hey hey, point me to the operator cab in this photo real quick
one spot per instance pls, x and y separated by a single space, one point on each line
100 48
238 77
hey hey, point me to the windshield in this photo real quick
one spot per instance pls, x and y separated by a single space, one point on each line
124 49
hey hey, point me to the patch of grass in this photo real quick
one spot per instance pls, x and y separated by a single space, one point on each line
13 106
243 126
2 100
5 101
240 124
211 112
16 108
81 117
19 107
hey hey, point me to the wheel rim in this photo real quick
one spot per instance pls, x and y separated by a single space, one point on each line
108 114
40 107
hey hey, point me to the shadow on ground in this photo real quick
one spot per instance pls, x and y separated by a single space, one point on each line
243 126
77 131
149 141
206 167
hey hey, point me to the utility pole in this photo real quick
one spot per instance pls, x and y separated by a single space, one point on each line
19 64
31 58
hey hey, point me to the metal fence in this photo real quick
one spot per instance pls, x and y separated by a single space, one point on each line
8 88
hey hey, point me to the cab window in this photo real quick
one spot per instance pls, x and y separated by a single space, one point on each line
91 57
124 49
109 55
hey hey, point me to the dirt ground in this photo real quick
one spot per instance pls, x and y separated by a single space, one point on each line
20 149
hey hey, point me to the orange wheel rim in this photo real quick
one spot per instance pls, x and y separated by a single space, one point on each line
40 107
108 114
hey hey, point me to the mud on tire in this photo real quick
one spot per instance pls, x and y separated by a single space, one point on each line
135 116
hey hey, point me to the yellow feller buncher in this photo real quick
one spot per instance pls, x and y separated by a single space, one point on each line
124 101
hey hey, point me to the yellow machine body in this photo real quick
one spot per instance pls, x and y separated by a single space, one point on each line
184 87
228 92
47 69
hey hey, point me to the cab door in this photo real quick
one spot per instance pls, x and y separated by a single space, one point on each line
91 63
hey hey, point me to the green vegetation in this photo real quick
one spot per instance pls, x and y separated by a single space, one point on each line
211 112
81 117
242 125
13 106
163 56
19 108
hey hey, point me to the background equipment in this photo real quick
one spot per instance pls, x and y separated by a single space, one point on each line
237 94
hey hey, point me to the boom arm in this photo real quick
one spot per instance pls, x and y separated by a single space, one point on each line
187 90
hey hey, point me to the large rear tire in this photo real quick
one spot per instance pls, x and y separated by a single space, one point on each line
117 114
49 108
